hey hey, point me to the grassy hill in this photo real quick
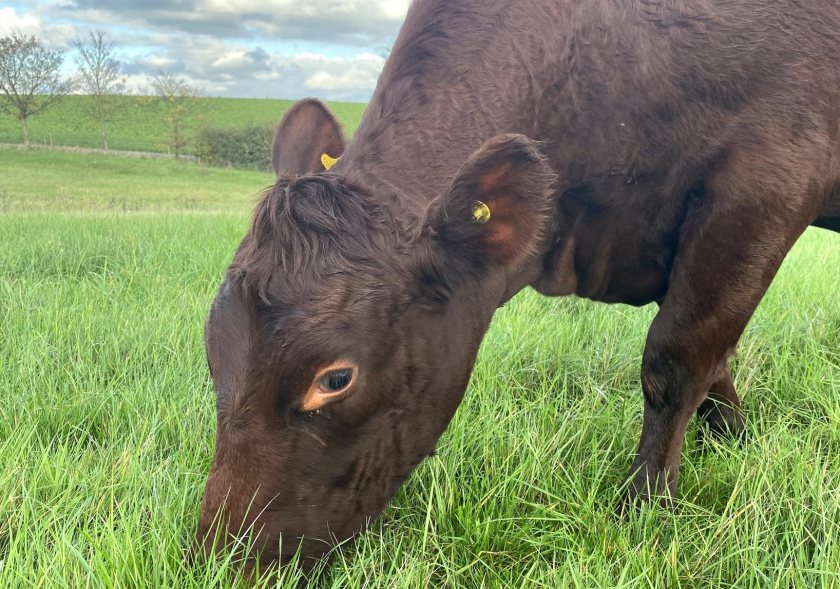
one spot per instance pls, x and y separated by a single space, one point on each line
138 124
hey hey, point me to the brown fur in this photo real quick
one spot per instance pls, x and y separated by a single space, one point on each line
308 131
691 142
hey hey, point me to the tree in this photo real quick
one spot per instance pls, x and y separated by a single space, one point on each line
30 81
180 103
99 76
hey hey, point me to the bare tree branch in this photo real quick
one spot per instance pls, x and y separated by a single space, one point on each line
180 103
99 77
30 81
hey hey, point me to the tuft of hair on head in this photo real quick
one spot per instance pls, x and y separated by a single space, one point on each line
307 228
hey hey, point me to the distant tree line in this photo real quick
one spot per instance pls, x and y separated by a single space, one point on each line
246 147
31 82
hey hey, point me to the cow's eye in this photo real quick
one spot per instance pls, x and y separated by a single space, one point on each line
336 380
329 385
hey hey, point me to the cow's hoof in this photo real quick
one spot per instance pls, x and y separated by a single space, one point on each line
720 421
646 486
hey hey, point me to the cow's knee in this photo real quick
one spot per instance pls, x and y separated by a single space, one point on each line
673 375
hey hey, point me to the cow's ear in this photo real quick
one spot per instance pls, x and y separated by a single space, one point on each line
307 133
496 211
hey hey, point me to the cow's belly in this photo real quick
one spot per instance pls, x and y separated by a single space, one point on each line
611 253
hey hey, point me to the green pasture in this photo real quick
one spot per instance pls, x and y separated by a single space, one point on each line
107 269
138 123
39 180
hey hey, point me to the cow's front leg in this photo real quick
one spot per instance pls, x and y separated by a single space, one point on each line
731 246
721 412
687 345
675 380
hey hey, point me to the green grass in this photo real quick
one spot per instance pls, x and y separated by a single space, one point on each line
49 180
138 124
107 416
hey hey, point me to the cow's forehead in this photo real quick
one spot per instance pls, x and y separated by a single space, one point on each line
344 312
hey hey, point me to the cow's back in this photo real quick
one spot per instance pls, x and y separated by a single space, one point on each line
611 87
639 84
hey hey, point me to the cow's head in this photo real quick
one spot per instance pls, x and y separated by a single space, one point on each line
343 337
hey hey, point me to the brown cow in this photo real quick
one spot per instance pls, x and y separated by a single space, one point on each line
627 152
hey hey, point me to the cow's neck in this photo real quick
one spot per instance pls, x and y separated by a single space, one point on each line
439 98
412 152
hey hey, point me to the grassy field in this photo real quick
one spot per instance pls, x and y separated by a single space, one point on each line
49 180
107 415
138 124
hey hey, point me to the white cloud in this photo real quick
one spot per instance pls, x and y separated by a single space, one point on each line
249 48
359 73
395 9
237 58
160 62
352 22
53 36
11 21
390 9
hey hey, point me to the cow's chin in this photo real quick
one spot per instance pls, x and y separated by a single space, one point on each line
261 555
272 546
304 556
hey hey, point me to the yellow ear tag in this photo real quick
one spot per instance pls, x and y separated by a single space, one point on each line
481 212
328 161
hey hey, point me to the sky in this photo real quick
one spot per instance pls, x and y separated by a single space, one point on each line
332 49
